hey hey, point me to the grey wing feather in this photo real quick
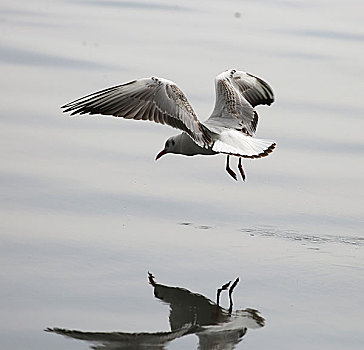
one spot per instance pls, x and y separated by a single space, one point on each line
153 99
255 90
237 93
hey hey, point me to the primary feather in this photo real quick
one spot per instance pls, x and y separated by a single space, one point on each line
154 99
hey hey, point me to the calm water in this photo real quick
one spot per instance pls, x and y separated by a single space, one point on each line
86 212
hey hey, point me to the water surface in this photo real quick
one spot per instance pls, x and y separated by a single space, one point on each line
86 212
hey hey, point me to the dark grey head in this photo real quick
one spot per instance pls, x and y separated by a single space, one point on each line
169 147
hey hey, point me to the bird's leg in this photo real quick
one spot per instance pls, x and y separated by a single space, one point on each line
240 167
228 169
230 295
224 287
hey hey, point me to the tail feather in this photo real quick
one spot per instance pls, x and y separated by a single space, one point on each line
236 143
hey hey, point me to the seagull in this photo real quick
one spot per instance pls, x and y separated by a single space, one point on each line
229 130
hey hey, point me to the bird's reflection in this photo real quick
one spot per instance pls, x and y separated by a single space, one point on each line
190 313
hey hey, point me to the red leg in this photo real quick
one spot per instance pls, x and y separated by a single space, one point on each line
240 167
228 169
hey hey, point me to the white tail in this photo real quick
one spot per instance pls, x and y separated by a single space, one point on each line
236 143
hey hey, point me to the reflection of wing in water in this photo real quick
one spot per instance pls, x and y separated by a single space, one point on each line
225 336
216 327
123 341
187 307
190 313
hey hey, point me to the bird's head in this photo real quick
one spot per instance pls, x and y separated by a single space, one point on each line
169 147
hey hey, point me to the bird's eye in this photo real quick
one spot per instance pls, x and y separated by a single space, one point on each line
167 144
173 143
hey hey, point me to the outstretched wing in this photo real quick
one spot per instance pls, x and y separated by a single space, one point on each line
154 99
237 93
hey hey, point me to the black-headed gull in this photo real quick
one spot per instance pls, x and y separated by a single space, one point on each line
229 130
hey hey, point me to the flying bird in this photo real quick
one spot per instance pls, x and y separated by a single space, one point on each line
229 130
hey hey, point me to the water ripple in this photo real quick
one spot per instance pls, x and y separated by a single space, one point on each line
266 231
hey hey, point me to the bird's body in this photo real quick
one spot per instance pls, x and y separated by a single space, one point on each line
229 130
186 146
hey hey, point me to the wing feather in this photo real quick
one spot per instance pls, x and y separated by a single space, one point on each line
154 99
237 93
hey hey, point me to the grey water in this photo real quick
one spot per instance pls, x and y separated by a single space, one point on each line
86 211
